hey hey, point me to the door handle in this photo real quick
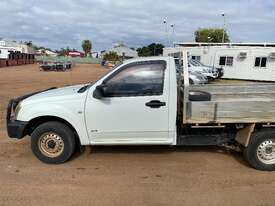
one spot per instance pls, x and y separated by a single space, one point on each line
155 104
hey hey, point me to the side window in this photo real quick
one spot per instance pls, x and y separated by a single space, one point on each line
226 61
260 62
137 79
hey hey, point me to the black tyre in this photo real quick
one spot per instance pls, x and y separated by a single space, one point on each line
260 152
53 142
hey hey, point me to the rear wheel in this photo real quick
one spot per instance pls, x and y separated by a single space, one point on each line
260 152
53 142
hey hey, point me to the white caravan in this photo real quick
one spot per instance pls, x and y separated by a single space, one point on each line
247 61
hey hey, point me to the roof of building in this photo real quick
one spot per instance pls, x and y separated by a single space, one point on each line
197 44
123 50
16 46
75 52
46 51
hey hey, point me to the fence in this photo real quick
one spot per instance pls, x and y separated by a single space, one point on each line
76 60
15 62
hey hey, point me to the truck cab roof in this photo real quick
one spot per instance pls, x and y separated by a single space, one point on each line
148 59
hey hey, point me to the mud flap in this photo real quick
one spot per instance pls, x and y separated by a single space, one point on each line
244 134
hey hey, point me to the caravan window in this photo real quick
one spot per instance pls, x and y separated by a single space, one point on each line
226 61
229 61
222 61
260 62
198 58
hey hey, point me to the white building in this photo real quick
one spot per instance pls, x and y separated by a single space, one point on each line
41 52
8 47
248 61
5 51
123 51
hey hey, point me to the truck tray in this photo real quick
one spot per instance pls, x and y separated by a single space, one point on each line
251 103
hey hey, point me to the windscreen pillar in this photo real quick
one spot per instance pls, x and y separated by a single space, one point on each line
186 84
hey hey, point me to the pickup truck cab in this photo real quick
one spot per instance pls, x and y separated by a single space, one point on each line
139 102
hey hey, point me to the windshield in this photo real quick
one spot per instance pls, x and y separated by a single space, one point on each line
85 87
112 69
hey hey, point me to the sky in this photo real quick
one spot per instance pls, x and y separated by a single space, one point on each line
62 23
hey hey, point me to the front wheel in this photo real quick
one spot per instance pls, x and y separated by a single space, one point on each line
53 142
260 152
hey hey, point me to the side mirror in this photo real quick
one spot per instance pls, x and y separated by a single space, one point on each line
99 92
199 96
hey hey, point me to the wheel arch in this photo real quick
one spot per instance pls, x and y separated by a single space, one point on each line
245 134
35 122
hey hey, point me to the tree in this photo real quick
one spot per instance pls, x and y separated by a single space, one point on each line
28 43
212 35
111 56
62 52
144 51
87 46
151 50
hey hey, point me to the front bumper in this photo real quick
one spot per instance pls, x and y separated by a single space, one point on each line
210 75
16 129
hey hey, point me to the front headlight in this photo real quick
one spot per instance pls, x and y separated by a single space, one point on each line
17 109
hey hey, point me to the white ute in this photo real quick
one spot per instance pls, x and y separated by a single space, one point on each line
140 102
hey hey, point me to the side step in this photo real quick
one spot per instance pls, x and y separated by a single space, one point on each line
202 140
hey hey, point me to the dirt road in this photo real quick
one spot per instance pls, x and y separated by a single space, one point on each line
120 175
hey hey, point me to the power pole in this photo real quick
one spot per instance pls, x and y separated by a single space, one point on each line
173 33
223 33
166 31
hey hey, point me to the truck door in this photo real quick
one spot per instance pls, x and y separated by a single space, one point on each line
134 108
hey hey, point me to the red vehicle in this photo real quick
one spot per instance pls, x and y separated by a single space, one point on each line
75 54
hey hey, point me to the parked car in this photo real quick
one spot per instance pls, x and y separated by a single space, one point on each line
218 72
48 66
55 66
197 78
194 76
195 65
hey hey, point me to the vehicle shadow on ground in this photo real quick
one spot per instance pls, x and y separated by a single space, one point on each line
90 150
